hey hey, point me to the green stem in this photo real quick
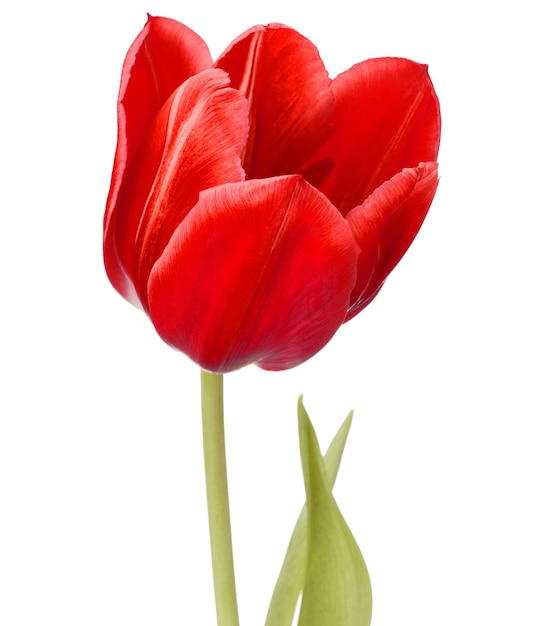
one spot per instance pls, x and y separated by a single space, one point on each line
215 464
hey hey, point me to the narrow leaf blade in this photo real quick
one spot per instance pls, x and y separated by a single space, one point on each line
291 578
337 586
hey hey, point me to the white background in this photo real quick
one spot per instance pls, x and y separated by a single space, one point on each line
101 481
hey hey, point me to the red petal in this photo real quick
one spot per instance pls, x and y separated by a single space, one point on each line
162 57
194 143
387 118
288 88
260 271
386 224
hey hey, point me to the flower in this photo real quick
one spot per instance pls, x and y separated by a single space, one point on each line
256 204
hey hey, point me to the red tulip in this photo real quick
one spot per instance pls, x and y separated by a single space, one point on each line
256 205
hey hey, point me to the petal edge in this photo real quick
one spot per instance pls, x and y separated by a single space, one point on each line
385 226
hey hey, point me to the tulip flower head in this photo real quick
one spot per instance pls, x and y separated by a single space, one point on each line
256 204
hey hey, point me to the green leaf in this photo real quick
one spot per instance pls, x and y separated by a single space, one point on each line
336 583
291 579
294 571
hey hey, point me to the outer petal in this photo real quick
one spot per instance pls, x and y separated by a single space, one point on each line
162 57
386 224
288 88
387 118
260 271
194 143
